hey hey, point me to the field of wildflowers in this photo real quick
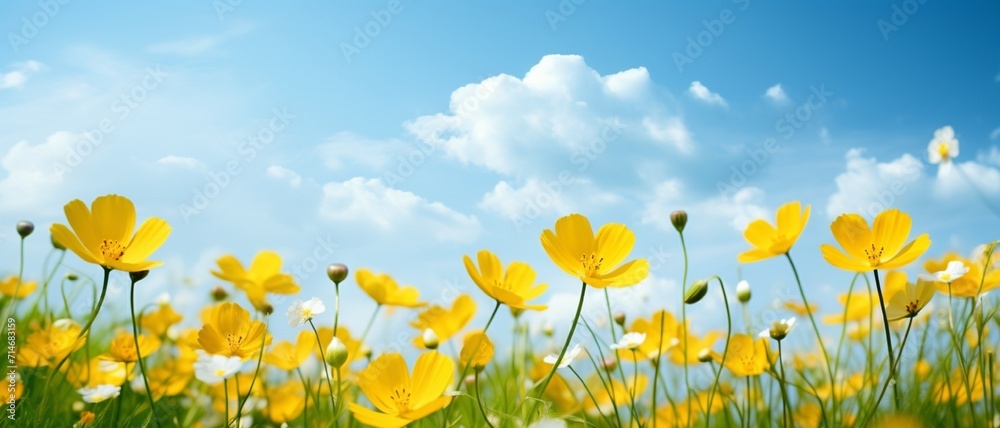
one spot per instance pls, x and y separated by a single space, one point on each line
894 363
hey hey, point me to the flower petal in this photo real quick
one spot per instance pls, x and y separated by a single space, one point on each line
431 375
376 419
383 377
79 218
265 264
628 274
470 267
760 234
890 231
151 235
614 242
575 235
62 235
754 255
113 218
853 234
838 259
909 253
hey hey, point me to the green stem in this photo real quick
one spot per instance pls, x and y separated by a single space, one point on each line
569 338
684 344
326 367
138 352
479 401
225 389
656 364
592 398
336 308
892 369
86 328
888 342
725 352
367 327
812 319
256 371
786 408
467 363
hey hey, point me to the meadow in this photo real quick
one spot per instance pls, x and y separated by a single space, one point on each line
895 361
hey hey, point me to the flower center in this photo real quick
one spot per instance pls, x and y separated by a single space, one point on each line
874 256
112 249
943 150
591 265
220 372
913 307
235 343
401 398
946 277
502 285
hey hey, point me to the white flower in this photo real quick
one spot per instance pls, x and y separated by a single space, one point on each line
944 146
743 291
300 312
213 369
955 270
99 393
630 341
779 329
568 358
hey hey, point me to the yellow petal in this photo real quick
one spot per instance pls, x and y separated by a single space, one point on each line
852 233
628 274
470 267
560 255
890 231
614 243
376 419
754 255
385 376
151 235
67 239
838 259
909 253
760 234
432 374
265 264
230 269
79 218
489 265
575 235
113 218
427 409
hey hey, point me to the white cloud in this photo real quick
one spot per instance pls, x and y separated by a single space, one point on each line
739 209
369 202
346 149
869 187
182 162
31 171
284 174
19 75
951 182
995 135
777 94
539 197
990 157
671 132
702 93
520 125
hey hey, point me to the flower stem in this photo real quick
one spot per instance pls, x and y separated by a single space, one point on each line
888 342
569 338
86 328
225 389
786 408
260 356
725 351
812 319
139 356
326 367
892 369
336 309
479 402
367 327
12 309
684 343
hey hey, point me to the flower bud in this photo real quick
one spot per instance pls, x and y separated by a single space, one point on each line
219 294
547 329
609 364
57 245
337 272
138 276
365 351
743 291
24 228
679 219
430 338
516 312
696 292
72 277
705 355
620 319
336 353
266 308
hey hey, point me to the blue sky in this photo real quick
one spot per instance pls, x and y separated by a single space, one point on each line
446 129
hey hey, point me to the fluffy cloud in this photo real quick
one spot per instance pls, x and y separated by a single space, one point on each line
538 197
32 176
370 203
702 93
777 95
951 181
284 174
738 210
516 125
868 187
19 75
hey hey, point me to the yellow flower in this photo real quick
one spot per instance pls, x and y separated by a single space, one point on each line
769 241
285 402
97 371
922 368
655 344
618 394
799 308
879 247
594 259
160 320
477 350
8 286
905 299
102 235
123 348
695 346
445 322
401 400
385 291
231 333
264 276
845 388
967 285
288 356
954 388
170 378
49 345
746 356
858 306
512 288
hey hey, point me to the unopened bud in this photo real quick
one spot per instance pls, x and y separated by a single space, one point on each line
57 245
620 319
547 329
72 277
24 228
138 276
609 364
430 338
336 353
337 272
743 291
266 308
365 351
696 292
705 355
679 219
219 294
